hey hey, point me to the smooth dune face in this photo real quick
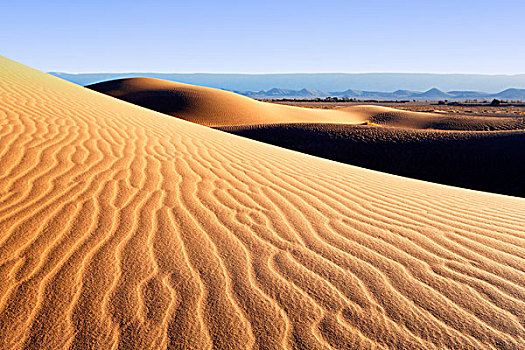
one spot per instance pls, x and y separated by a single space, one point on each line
213 107
122 227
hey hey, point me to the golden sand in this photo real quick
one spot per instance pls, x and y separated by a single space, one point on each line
213 107
125 228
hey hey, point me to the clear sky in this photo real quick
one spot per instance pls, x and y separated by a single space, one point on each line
460 36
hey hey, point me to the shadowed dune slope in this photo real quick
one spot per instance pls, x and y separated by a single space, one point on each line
213 107
492 161
124 228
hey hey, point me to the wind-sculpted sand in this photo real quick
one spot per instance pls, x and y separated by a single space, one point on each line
492 161
480 153
213 107
125 228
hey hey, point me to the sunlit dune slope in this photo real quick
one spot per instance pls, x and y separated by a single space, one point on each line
124 228
213 107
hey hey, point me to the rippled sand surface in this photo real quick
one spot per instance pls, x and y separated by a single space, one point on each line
125 228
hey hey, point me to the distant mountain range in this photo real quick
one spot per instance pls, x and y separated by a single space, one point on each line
371 82
433 94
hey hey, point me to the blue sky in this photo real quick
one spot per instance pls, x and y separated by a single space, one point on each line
266 36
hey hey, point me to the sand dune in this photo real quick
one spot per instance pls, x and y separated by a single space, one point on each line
213 107
392 117
464 151
125 228
492 161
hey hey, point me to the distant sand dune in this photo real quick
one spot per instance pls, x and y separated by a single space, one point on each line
417 120
125 228
213 107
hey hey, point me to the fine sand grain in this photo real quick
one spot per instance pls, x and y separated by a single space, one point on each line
125 228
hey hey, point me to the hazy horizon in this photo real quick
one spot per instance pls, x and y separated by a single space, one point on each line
279 73
321 81
439 37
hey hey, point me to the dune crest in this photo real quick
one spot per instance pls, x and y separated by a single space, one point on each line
123 227
213 107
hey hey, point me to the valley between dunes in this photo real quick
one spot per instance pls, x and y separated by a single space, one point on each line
125 228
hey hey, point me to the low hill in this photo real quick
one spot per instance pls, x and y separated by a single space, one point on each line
433 94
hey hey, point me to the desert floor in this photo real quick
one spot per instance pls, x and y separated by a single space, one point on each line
475 109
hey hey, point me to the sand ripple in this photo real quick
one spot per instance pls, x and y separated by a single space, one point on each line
122 227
